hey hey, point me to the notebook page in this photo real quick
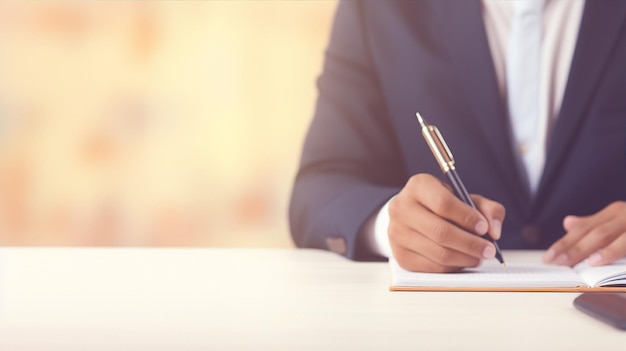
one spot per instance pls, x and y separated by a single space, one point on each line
613 274
491 274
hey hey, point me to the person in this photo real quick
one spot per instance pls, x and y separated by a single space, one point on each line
368 187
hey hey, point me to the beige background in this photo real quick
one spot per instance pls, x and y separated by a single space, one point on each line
154 123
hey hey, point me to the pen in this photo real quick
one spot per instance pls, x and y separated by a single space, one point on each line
444 158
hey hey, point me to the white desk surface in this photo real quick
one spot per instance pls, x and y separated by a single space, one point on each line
264 299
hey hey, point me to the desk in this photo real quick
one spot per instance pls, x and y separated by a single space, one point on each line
264 299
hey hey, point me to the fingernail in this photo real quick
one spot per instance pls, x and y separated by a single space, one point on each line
594 259
562 259
496 226
481 227
549 256
489 252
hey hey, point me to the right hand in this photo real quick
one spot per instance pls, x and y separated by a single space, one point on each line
431 230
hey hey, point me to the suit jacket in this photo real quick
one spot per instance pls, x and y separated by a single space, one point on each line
388 59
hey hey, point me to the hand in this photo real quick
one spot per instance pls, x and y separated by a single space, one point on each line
431 230
601 238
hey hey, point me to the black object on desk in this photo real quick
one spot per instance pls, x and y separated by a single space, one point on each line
607 307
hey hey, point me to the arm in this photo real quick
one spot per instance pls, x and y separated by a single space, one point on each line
351 166
350 163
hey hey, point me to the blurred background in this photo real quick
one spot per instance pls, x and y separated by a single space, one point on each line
154 123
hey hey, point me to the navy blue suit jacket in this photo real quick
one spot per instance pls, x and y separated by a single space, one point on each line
388 59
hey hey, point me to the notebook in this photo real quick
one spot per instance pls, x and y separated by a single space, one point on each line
517 276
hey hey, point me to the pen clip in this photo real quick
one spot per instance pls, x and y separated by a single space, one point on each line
437 146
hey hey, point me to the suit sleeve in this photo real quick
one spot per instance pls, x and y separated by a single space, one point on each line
350 163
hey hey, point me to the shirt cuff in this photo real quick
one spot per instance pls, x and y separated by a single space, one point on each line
375 232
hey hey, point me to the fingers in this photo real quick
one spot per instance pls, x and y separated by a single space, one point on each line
437 198
569 222
430 229
494 212
558 252
610 253
415 262
440 241
600 237
582 243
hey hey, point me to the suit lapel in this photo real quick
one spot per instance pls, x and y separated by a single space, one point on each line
472 57
599 28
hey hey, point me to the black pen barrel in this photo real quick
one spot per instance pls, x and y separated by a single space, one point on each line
459 187
461 192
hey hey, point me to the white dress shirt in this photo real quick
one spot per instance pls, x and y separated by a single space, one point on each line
561 21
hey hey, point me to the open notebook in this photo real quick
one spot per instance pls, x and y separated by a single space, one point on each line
490 276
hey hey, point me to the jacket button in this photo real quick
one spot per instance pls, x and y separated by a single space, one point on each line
531 235
337 245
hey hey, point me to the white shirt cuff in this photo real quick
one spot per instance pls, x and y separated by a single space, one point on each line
375 232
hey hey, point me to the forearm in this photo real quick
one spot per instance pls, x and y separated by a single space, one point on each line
330 212
351 164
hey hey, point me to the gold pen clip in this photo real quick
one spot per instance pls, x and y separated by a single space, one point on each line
437 145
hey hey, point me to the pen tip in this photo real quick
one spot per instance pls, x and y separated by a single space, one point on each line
420 119
503 265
